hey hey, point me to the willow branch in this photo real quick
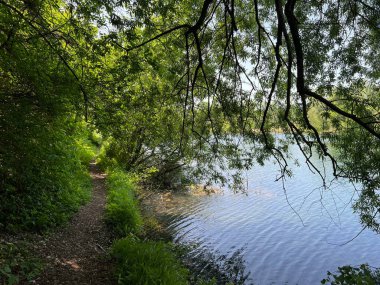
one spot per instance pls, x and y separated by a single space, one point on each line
301 87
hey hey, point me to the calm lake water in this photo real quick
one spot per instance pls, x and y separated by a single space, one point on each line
276 246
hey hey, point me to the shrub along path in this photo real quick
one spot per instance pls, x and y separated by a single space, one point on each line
77 253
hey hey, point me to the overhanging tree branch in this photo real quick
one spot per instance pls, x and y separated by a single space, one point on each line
43 36
169 31
301 87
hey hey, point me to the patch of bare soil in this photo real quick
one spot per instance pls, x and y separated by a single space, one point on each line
77 253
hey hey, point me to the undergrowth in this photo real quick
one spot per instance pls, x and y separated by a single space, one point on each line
147 262
138 261
17 265
44 176
122 211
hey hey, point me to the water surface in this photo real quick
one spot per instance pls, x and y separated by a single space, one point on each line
291 236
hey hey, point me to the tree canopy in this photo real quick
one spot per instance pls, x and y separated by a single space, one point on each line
201 84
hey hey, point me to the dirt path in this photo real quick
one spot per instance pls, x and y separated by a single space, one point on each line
77 253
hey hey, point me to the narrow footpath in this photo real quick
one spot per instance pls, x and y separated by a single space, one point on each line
77 253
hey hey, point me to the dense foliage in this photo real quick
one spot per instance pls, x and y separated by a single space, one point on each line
42 171
44 151
17 264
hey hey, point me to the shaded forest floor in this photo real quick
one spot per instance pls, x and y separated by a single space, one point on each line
78 252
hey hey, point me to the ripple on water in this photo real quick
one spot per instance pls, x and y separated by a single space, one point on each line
277 246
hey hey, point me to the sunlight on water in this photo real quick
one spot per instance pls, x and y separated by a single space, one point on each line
291 237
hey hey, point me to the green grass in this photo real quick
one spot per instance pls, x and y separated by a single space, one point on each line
148 262
122 211
138 262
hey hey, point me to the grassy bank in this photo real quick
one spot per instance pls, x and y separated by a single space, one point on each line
139 261
122 211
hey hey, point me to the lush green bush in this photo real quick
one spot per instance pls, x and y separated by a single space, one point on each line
42 178
122 211
17 264
347 275
147 263
44 148
85 146
96 138
103 160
